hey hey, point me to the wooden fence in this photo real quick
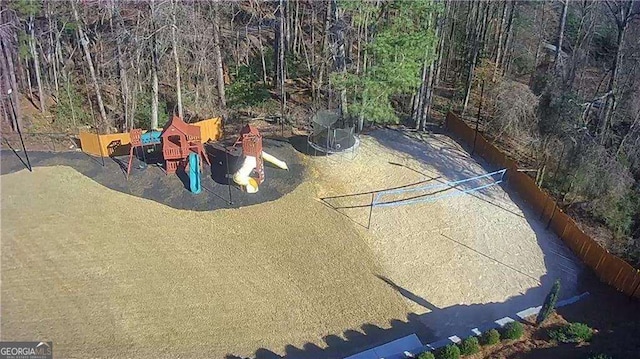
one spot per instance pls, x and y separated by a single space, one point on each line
609 268
97 145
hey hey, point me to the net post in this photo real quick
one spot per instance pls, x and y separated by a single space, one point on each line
370 211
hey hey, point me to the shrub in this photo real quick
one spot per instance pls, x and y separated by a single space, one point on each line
513 330
426 355
469 346
549 303
451 351
490 337
246 89
572 333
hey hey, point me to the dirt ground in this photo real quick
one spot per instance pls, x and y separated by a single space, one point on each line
460 261
78 269
299 276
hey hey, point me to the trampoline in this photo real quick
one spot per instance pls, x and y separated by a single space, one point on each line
330 133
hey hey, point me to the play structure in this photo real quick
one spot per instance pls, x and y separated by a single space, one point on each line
181 148
251 173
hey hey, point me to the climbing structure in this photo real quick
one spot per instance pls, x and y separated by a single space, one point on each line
251 141
140 140
179 139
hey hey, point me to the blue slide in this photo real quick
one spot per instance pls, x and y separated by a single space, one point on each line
194 173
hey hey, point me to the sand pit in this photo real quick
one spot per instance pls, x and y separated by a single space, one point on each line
105 274
460 261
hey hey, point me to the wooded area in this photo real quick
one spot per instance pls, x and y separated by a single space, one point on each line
555 83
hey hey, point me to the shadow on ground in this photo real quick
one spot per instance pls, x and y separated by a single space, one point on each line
439 323
148 180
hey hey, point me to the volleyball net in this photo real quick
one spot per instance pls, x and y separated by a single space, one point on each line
437 191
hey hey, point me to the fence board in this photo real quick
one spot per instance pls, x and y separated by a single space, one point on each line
609 268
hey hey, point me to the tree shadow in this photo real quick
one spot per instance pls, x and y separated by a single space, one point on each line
436 324
300 144
15 152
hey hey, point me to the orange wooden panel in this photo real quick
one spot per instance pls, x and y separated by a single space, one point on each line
211 129
97 145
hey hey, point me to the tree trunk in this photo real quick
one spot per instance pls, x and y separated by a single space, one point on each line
280 65
439 31
470 75
262 61
5 85
176 58
218 55
540 35
508 38
85 47
122 70
13 83
612 88
325 45
340 56
560 36
52 48
36 65
154 71
501 33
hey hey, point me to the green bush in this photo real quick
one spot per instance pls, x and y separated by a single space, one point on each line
246 89
469 346
426 355
144 105
490 337
451 351
572 333
70 109
549 303
513 330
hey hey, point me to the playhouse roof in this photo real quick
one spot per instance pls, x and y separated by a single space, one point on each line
178 124
249 129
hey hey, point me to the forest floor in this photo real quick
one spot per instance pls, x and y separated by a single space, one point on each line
295 275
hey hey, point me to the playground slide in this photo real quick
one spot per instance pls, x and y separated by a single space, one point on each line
274 161
242 178
194 173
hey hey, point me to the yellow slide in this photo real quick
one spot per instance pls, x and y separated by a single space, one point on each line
241 177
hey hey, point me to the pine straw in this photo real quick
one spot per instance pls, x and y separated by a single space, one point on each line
104 274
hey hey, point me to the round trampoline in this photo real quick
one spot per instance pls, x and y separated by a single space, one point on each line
330 133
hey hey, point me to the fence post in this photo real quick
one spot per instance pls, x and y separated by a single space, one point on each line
553 212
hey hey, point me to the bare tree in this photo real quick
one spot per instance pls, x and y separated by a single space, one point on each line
623 13
36 63
218 56
174 43
85 47
154 68
560 36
